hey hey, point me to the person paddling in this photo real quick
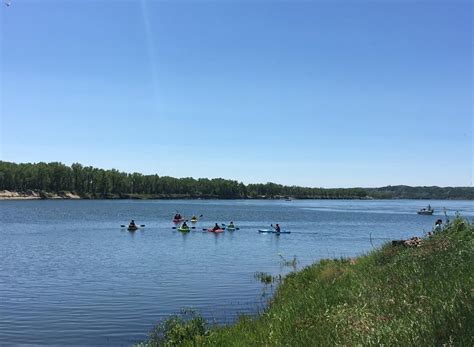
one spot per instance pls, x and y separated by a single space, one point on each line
231 225
132 224
277 228
216 227
184 226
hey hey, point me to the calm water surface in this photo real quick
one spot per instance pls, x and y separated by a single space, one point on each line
70 275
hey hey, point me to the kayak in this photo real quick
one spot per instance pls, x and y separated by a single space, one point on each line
184 230
178 220
130 228
194 220
230 228
215 231
273 231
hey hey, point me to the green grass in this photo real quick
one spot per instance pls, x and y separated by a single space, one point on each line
392 296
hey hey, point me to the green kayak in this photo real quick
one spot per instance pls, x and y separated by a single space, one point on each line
184 230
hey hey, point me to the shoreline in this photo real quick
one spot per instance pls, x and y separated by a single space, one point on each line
67 195
6 195
37 195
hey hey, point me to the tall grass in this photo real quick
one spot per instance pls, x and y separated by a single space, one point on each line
392 296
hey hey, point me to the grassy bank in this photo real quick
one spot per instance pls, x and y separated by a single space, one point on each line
394 296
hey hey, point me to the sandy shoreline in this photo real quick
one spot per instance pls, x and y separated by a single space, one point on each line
33 195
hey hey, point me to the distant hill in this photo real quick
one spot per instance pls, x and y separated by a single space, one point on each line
432 192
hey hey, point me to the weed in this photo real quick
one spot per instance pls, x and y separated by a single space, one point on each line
264 277
291 262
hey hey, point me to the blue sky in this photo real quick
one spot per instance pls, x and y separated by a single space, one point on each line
313 93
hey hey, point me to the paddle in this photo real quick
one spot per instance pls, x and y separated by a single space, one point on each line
126 226
275 229
179 222
179 227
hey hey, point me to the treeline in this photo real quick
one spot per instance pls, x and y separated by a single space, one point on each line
90 182
433 192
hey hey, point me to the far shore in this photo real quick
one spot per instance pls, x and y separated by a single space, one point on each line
66 195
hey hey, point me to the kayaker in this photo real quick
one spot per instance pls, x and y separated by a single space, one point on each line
216 227
184 226
132 224
277 228
177 216
194 218
231 225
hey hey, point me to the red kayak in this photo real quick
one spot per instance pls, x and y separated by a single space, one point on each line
215 231
178 220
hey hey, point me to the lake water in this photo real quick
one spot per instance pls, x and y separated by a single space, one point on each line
70 275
